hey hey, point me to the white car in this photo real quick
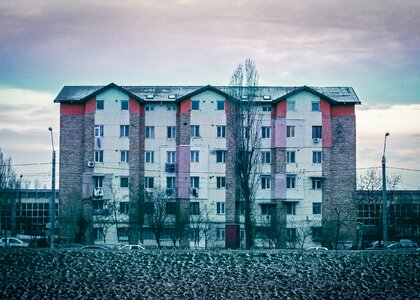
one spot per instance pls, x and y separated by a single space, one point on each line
132 247
12 242
317 249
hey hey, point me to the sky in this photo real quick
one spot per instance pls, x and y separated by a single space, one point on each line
372 46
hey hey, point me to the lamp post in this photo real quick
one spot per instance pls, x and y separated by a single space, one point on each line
384 200
52 199
19 220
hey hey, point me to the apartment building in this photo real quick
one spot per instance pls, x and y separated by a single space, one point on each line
118 144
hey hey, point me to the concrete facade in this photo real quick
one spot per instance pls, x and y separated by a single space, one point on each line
182 140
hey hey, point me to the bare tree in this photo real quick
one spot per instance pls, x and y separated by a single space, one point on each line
156 212
203 227
8 186
247 134
370 183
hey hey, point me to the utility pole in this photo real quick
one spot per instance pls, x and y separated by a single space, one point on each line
384 200
52 199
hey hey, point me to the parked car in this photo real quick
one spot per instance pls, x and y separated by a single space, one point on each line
404 245
132 247
12 242
70 246
317 249
95 247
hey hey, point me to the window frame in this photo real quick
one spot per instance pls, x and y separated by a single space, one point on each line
220 208
99 130
317 157
317 132
291 105
317 208
220 105
265 132
291 156
220 182
124 105
291 208
266 157
124 131
98 156
195 105
194 208
195 182
124 182
265 182
100 104
221 156
315 106
171 157
290 182
149 182
171 132
221 131
194 156
290 131
149 157
149 132
316 183
124 156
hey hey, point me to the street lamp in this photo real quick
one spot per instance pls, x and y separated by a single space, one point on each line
384 200
52 199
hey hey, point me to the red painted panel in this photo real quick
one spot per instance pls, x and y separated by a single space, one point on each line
185 106
326 123
91 106
347 110
72 109
232 237
280 109
135 107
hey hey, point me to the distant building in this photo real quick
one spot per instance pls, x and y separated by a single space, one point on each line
32 212
119 144
403 214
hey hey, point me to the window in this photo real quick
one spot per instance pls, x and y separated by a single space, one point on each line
123 233
265 134
221 131
268 209
194 208
100 104
150 156
195 235
99 130
170 182
221 156
124 104
315 106
291 234
291 182
266 157
316 208
220 233
99 156
291 105
220 182
316 183
316 234
170 157
194 156
266 108
97 234
149 108
125 156
317 132
291 157
195 131
220 208
220 105
171 107
316 157
290 131
98 180
124 208
171 132
124 182
195 182
291 208
171 208
265 182
195 105
124 130
149 182
150 132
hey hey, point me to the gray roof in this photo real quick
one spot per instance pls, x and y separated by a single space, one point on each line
171 93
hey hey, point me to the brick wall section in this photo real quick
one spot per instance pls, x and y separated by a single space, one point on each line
71 169
232 181
339 168
136 165
183 119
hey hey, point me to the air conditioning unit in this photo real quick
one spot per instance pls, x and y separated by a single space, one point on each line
316 140
91 164
170 167
98 192
169 192
194 192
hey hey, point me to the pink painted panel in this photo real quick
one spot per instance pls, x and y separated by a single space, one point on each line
72 109
183 171
278 132
185 106
278 182
326 123
232 236
91 106
342 110
134 106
